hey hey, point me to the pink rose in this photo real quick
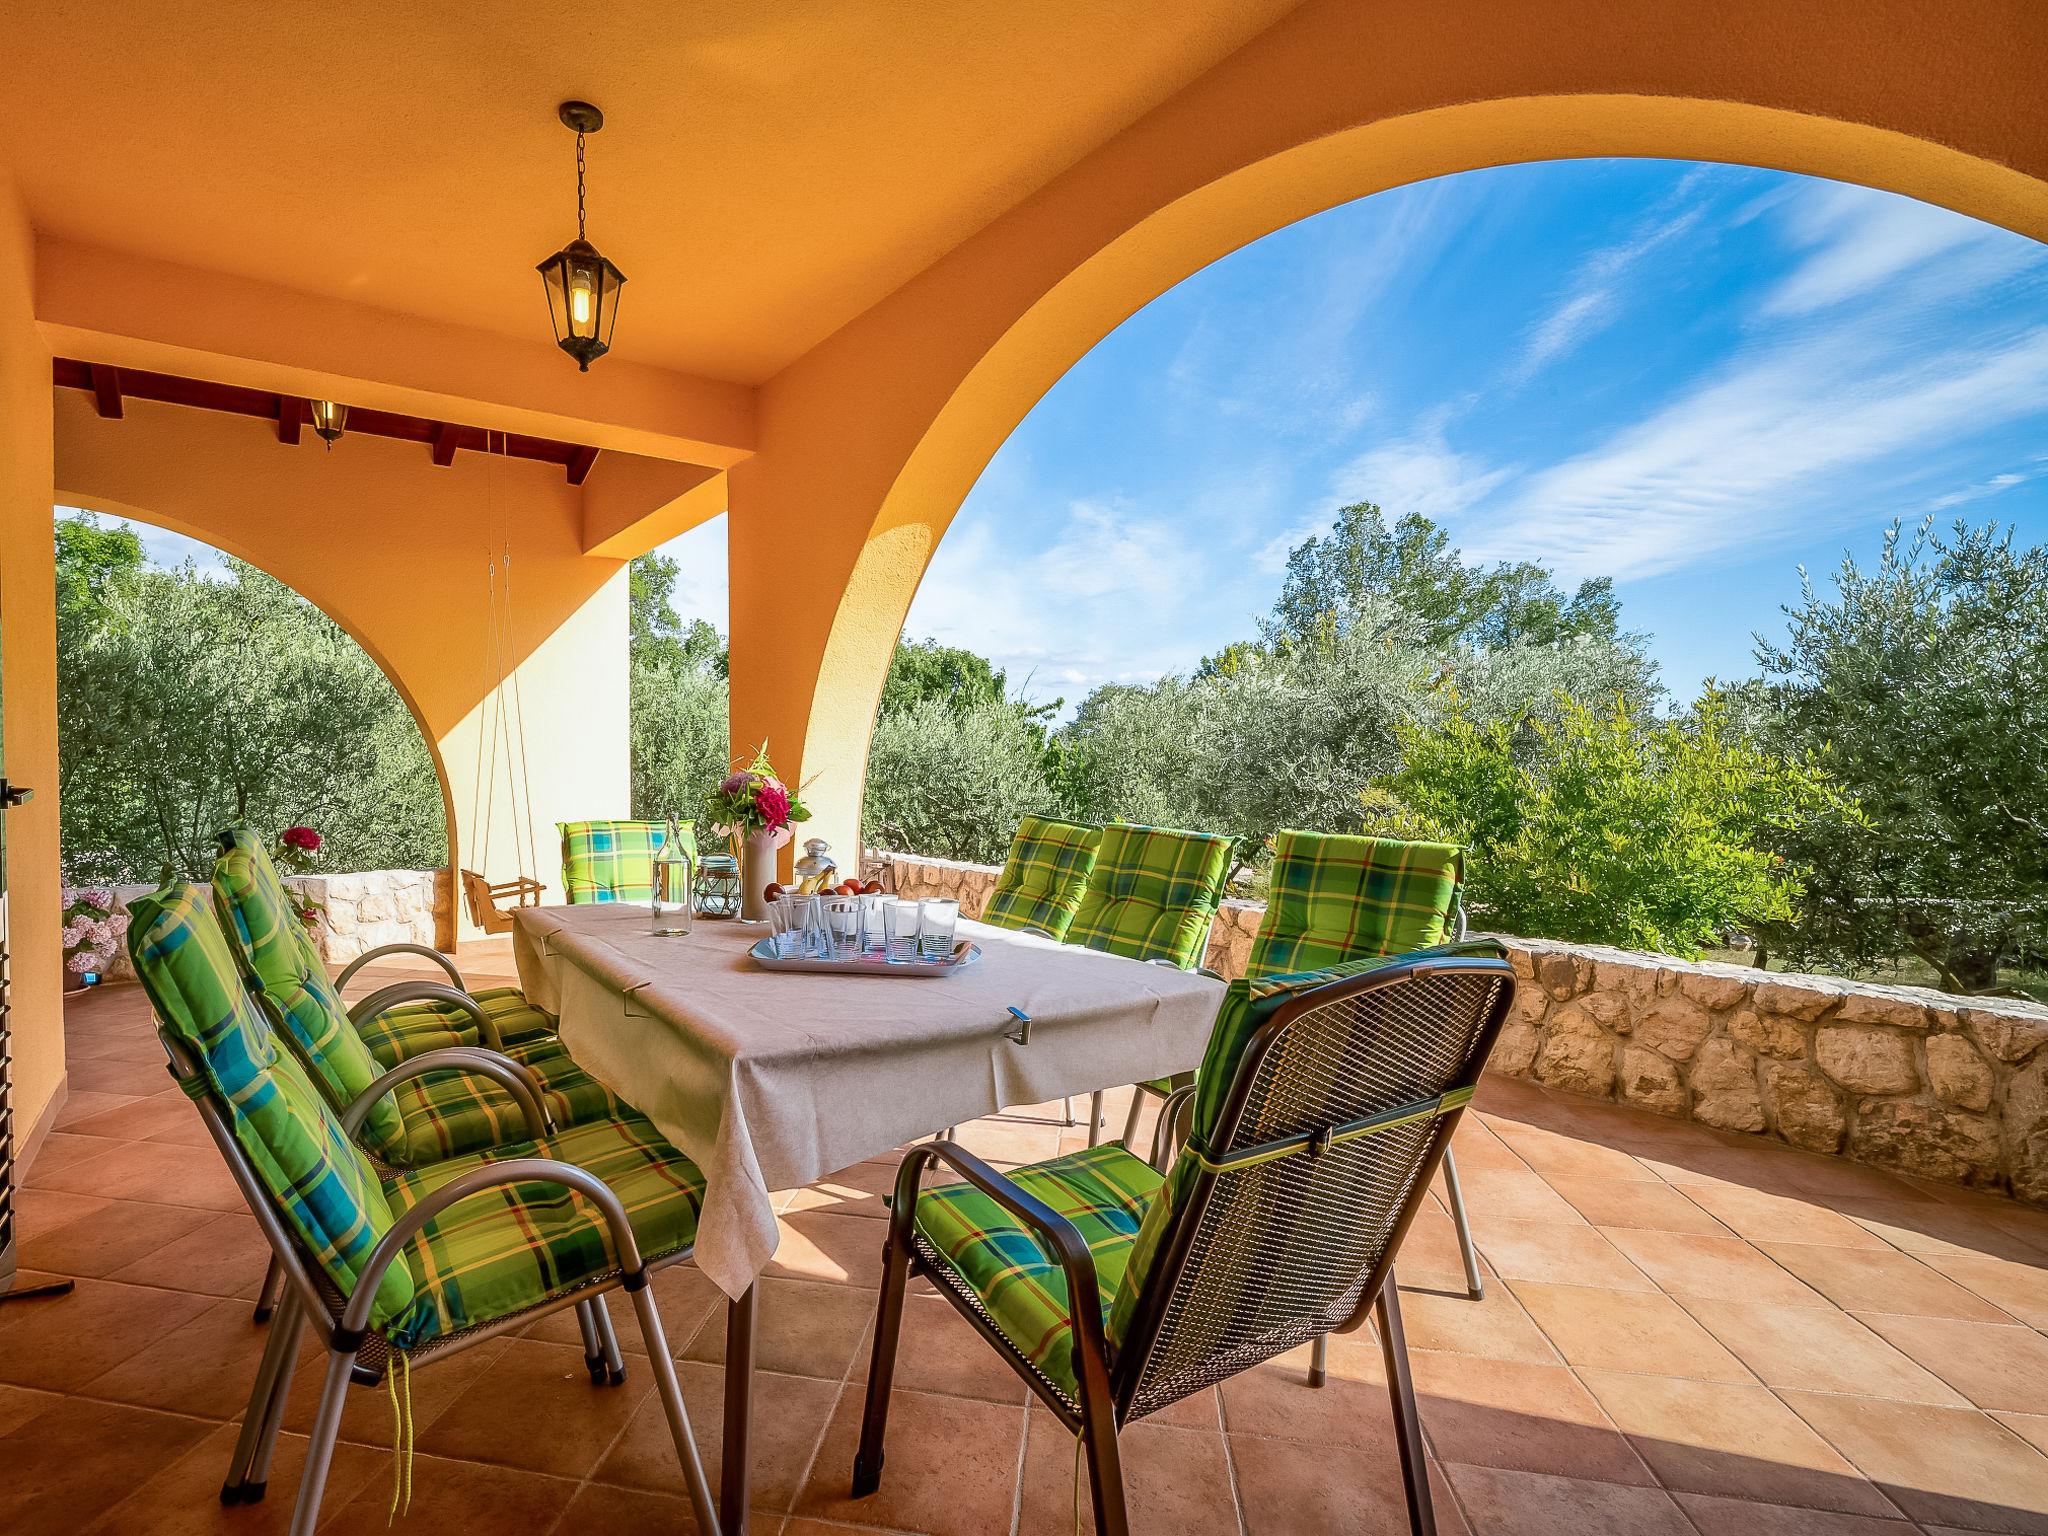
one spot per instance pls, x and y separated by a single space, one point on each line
300 837
772 801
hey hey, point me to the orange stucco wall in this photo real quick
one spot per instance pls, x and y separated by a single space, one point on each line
869 442
28 678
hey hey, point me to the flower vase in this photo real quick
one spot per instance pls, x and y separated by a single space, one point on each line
757 873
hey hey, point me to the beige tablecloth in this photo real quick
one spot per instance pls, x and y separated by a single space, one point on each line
771 1079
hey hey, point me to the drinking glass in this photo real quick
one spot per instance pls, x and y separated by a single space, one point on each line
817 935
785 926
874 937
899 929
842 918
936 922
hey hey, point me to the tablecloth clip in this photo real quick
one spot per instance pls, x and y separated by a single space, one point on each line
626 999
1022 1033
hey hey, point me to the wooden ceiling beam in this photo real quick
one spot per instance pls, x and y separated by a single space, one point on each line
291 414
579 464
106 390
445 443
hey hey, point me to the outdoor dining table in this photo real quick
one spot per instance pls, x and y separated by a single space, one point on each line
768 1080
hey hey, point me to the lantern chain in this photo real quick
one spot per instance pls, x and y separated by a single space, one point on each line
579 185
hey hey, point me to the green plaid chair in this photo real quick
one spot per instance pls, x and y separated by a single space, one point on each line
1153 894
1327 1099
397 1269
614 860
1045 877
1336 898
397 1021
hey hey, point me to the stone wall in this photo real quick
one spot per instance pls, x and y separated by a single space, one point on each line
1949 1088
359 912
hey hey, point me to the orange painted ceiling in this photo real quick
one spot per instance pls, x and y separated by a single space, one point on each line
766 171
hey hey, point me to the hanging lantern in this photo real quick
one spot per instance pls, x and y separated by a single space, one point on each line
328 420
581 285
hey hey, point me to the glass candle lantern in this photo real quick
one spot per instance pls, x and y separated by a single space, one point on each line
718 886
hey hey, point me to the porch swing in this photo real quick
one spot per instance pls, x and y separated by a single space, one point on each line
485 898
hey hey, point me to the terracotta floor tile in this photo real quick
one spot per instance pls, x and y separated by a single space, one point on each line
2030 1427
1504 1503
2001 1366
1495 1326
1719 1165
825 1245
135 1079
366 1417
1686 1264
454 1498
1740 1517
686 1299
1638 1204
1288 1487
78 1458
1761 1216
1480 1149
1929 1227
1727 1438
803 1328
951 1466
565 1425
62 1342
155 1171
1009 1142
109 1238
1559 1255
855 1191
1351 1409
41 1211
940 1351
1944 1466
60 1153
2016 1287
80 1104
1812 1350
141 1119
1429 1257
1558 1156
1882 1280
20 1404
203 1368
1627 1331
1527 1418
1175 1480
1499 1194
225 1256
183 1499
790 1413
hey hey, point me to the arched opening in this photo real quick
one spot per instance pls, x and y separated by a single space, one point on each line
1840 358
196 689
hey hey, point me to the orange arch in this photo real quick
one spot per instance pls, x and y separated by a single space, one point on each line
1019 320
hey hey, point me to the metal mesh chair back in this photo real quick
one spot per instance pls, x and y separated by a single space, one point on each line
1337 1118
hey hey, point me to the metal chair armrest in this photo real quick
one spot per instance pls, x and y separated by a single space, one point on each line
1060 1236
1038 933
355 1317
518 1080
384 999
386 951
1167 1134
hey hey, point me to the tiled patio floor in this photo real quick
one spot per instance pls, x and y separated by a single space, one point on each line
1683 1332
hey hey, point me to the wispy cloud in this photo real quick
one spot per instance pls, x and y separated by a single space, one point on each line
1760 450
1969 493
1597 290
1859 240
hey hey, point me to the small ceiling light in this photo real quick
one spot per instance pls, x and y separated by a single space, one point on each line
581 285
328 420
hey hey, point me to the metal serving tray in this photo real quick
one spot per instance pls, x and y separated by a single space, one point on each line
964 954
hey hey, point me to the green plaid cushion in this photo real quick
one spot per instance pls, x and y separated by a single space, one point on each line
1104 1191
321 1185
1045 876
448 1114
1335 898
1152 894
1247 1006
614 860
511 1248
410 1028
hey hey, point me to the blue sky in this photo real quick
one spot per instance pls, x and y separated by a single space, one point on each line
1691 378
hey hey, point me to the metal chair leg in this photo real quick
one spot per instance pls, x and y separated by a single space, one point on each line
608 1343
1095 1118
741 1316
320 1442
1319 1360
1131 1120
1473 1285
874 1422
671 1393
244 1483
1067 1110
1407 1425
1106 1481
273 1284
593 1350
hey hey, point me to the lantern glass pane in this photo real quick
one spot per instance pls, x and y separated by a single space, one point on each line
551 285
585 293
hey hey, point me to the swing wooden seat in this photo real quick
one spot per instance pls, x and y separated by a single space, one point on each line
482 898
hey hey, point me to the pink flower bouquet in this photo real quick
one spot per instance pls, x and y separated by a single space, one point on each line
754 800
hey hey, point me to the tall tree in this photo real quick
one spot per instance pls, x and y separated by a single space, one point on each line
1924 682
